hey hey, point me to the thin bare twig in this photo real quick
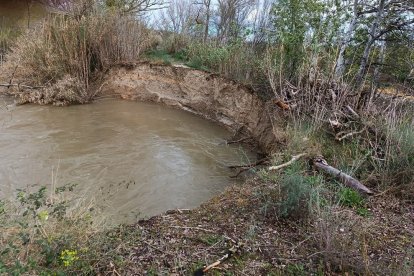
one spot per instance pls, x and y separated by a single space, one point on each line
341 136
237 141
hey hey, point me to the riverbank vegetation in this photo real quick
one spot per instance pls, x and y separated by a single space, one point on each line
338 79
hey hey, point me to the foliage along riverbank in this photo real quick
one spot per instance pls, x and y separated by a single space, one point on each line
292 221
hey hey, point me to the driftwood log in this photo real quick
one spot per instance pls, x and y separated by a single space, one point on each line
345 179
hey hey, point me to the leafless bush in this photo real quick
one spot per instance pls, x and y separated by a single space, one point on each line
236 60
312 93
74 48
381 126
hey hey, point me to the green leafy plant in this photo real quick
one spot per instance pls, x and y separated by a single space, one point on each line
351 198
68 257
296 191
42 229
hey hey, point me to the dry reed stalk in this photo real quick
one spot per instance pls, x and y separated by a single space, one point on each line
75 48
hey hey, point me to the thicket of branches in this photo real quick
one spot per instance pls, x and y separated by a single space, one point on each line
332 63
352 40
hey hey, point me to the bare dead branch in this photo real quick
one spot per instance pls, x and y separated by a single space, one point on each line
229 253
341 135
281 166
251 165
237 141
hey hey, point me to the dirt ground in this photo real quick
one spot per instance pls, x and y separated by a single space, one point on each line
181 241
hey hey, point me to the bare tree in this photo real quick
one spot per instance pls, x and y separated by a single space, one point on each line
378 18
232 16
178 17
389 16
260 24
346 40
135 6
207 4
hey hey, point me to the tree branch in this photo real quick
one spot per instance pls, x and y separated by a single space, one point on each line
281 166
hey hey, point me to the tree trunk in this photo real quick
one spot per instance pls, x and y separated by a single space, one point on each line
371 40
207 4
340 62
380 61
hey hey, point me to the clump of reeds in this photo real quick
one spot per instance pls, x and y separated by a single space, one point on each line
67 52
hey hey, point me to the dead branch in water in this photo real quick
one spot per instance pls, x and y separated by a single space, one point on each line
251 165
347 180
240 172
246 167
281 166
8 85
237 141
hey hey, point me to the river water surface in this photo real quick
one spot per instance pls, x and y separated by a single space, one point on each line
135 159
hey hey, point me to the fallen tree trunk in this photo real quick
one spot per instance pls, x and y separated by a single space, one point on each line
345 179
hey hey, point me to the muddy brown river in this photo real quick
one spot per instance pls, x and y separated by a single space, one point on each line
134 159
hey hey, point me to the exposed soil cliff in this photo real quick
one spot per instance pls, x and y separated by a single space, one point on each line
202 93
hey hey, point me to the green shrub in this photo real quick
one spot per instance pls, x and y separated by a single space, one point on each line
174 43
42 236
350 198
296 193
